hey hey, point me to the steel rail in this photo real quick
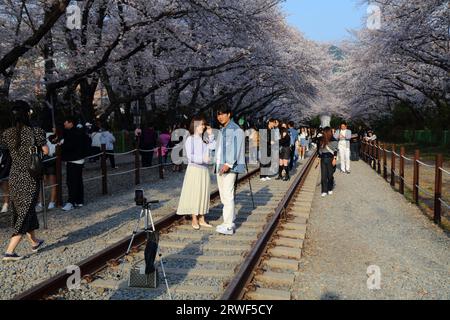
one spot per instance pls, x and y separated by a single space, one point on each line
98 261
236 288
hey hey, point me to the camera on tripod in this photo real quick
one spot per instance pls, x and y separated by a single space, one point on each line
139 197
141 200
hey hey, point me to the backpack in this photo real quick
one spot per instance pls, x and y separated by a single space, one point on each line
5 163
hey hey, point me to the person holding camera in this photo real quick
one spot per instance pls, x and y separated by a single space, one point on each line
195 193
24 187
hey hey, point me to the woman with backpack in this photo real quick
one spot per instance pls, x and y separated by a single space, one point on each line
24 186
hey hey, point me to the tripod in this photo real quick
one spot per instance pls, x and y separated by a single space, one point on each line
250 185
147 215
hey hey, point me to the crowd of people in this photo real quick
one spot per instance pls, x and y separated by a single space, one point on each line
293 145
77 143
343 145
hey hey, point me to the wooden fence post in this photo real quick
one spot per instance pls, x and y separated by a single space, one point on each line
384 162
402 171
378 157
367 153
438 189
363 150
104 170
160 161
59 195
374 156
393 166
137 165
416 177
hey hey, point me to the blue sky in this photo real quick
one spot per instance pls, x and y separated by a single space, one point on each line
325 20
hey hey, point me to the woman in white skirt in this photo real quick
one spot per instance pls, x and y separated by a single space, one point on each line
194 199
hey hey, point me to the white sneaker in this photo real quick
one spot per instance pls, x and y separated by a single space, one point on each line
262 179
324 195
4 208
68 206
330 193
233 225
268 178
39 207
225 230
51 206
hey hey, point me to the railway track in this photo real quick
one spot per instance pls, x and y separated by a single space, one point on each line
199 264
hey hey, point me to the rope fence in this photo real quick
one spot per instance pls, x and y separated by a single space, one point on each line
136 155
408 159
375 154
446 204
121 154
424 191
425 164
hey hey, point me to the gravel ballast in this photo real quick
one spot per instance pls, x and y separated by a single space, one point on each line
365 223
75 235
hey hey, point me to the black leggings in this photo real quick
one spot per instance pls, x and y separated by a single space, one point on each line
75 183
327 171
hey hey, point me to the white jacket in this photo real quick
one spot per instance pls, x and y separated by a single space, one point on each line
108 139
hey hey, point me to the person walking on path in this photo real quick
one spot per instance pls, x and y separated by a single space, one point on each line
108 139
72 151
230 161
343 136
195 194
24 188
327 154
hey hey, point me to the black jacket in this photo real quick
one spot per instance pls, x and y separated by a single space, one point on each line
73 148
286 140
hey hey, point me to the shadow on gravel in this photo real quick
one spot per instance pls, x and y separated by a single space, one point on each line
171 262
194 249
100 227
330 296
262 197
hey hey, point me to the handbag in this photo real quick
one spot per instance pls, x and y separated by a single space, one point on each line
35 168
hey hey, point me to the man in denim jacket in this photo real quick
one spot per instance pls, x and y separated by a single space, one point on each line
230 161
